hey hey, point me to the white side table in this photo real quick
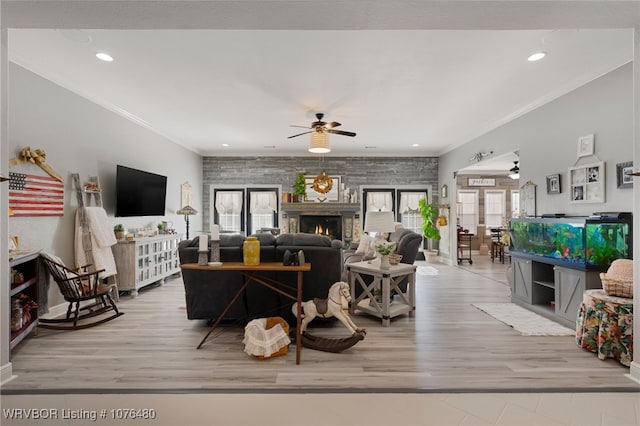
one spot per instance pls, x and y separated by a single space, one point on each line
387 280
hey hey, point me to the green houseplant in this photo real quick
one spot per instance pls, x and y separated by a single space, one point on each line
430 231
299 188
118 230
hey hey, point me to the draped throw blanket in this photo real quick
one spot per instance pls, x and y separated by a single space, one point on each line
260 340
102 239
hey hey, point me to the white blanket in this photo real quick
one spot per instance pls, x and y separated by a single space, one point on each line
260 341
102 239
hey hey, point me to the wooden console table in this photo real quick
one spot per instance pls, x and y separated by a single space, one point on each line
386 280
252 273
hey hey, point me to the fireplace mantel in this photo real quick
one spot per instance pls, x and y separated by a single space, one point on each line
347 211
320 208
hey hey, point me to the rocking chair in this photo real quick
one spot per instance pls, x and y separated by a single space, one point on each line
77 287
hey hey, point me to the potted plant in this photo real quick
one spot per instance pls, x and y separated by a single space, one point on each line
385 248
119 231
299 188
430 231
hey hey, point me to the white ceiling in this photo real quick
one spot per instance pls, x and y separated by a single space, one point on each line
202 88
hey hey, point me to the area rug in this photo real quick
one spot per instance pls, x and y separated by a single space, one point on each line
427 270
523 320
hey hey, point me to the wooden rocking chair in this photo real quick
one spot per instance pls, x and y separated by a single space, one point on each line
77 287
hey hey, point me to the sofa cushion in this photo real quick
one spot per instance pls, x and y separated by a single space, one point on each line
231 240
302 239
265 238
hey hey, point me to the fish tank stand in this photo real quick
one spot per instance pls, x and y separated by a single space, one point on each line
555 259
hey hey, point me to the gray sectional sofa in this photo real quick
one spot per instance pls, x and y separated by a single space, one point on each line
207 293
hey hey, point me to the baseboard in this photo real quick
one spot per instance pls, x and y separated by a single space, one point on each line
56 311
6 374
634 372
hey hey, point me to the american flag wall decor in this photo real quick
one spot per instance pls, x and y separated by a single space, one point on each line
31 195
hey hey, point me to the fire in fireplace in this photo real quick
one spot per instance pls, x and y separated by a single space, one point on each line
330 226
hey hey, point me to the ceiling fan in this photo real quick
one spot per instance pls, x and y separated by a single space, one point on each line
514 172
322 127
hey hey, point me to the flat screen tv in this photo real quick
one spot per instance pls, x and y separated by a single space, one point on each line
139 193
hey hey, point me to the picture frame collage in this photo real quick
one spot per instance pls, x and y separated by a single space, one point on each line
587 183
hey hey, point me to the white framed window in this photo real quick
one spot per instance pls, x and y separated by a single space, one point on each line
228 206
494 209
263 206
515 203
468 209
409 209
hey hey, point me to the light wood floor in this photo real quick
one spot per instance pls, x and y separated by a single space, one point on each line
448 346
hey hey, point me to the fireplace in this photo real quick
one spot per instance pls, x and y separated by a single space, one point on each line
334 219
330 226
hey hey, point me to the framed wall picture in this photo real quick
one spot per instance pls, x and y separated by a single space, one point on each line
332 195
528 199
585 146
186 195
553 184
587 183
624 178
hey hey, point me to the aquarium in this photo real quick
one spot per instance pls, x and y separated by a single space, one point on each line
580 242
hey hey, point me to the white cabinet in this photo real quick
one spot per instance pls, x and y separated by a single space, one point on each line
145 260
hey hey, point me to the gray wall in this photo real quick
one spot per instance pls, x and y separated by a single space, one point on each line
354 171
547 140
80 136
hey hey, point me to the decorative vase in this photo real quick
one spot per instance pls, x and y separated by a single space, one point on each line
384 261
119 235
251 251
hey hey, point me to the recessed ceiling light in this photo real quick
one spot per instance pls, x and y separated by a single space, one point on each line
536 56
104 57
415 145
225 144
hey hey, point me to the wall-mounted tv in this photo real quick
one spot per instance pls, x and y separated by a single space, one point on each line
139 193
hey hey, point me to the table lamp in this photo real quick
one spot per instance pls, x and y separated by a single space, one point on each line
187 211
379 222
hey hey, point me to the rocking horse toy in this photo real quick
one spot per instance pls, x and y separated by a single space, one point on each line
336 305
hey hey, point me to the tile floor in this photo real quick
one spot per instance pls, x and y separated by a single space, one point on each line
580 409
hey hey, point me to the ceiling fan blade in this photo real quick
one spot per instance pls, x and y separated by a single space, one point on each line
341 132
300 134
333 124
303 127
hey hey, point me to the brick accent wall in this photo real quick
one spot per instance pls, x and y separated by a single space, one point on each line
354 172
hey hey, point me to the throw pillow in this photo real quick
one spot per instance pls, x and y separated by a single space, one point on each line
365 244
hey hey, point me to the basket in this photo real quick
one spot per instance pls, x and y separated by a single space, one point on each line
260 339
618 281
272 321
395 258
618 288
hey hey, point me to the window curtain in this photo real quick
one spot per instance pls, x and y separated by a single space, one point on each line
379 201
409 201
263 201
229 202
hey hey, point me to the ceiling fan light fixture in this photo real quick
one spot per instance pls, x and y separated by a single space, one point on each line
514 172
319 143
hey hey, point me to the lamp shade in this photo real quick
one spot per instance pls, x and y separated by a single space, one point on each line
379 222
319 143
187 211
